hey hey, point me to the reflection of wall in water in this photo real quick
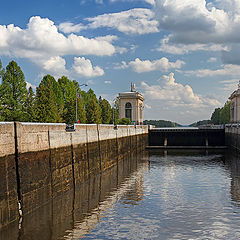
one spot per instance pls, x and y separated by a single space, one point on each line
79 211
233 161
8 190
48 173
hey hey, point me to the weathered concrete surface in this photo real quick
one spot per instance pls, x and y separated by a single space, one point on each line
232 137
33 137
8 190
52 161
78 210
7 141
35 179
49 174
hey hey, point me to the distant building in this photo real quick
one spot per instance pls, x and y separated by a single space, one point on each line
131 105
235 105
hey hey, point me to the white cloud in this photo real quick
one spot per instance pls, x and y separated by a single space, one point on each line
230 6
133 48
178 48
55 65
42 43
162 64
212 59
169 98
41 40
107 82
174 93
122 65
152 2
195 25
229 85
68 27
147 106
228 69
133 21
191 21
30 85
90 82
83 67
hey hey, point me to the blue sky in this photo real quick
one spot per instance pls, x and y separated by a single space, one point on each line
183 55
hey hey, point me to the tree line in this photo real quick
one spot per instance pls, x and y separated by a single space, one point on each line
221 115
53 102
161 123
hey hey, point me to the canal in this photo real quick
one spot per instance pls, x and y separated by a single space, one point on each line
155 195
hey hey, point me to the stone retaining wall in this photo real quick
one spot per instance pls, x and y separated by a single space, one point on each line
39 162
232 137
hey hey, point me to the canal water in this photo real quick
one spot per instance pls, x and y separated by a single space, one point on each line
156 195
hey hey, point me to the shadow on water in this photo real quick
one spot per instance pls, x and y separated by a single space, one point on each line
77 212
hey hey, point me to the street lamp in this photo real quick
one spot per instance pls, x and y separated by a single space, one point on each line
113 114
113 109
85 84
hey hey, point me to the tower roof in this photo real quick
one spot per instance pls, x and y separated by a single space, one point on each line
132 94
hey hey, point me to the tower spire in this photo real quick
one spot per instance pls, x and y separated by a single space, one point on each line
133 87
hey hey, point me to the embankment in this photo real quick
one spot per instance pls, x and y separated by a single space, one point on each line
232 136
39 162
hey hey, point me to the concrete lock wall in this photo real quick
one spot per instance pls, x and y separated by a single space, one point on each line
40 161
232 136
7 141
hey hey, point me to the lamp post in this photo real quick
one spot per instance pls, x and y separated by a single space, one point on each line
85 84
113 110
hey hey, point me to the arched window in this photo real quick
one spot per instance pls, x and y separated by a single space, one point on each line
128 110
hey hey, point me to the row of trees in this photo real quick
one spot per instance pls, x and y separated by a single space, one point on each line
221 115
54 101
161 123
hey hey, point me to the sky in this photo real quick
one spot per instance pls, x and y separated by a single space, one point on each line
183 55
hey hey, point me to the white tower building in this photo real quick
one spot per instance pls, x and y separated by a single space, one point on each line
131 105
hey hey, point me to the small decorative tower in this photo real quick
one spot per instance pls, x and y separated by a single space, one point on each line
131 105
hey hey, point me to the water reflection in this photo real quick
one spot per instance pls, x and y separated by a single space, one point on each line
158 195
233 164
186 195
75 213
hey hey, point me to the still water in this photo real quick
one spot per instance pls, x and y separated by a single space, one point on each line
157 195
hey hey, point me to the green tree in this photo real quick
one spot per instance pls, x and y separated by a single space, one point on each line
70 111
81 110
225 113
161 123
1 96
215 118
67 87
1 70
46 107
13 93
124 121
58 96
106 110
115 112
70 90
93 110
30 107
